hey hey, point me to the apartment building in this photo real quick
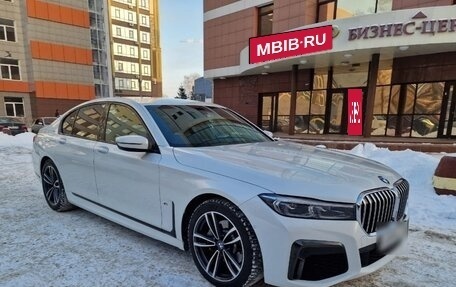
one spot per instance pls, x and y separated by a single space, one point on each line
45 57
135 47
400 53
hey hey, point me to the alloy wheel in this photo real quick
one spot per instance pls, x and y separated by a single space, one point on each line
218 246
51 185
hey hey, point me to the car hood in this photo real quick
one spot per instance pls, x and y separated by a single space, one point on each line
292 169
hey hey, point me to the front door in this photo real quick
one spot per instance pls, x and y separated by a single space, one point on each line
336 122
448 121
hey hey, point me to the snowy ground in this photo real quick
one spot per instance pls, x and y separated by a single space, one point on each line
39 247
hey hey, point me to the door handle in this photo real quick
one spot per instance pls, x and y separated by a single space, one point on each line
102 149
62 140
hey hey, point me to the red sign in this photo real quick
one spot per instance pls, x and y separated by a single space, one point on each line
290 44
355 110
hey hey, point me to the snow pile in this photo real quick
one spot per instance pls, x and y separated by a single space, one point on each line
24 140
426 208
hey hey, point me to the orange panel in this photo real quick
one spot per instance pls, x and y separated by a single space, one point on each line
45 51
39 89
65 15
14 86
61 89
58 52
86 19
35 48
54 12
89 59
73 92
78 18
31 8
80 56
42 10
49 90
69 54
82 92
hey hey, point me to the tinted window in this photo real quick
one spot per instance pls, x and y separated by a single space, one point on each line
122 121
67 125
88 121
192 126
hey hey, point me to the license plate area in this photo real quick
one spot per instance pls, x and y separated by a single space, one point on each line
391 235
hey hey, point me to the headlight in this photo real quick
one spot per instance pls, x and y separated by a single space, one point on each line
309 208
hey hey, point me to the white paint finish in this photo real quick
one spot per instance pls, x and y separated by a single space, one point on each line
233 8
388 47
145 186
444 182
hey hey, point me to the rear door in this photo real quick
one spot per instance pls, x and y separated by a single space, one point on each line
128 182
75 143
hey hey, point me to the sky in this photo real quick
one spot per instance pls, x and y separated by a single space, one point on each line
181 35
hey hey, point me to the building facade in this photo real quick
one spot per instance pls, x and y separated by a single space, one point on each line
45 57
400 53
135 48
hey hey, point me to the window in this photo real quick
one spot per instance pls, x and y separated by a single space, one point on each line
146 86
144 4
88 122
144 20
14 107
265 20
119 49
68 122
145 54
117 13
130 16
133 68
7 32
132 51
133 85
9 69
145 37
146 70
118 31
120 66
338 9
131 34
121 83
122 121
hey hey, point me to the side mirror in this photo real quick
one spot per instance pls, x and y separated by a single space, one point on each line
133 143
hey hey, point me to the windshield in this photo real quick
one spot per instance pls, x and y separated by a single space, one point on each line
197 126
7 120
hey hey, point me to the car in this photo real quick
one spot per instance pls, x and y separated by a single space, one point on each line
202 178
12 125
39 123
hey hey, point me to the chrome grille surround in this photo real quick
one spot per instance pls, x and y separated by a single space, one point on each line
377 207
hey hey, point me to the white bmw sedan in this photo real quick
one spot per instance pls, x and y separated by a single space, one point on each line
202 178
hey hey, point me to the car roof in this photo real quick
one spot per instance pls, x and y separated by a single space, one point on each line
154 102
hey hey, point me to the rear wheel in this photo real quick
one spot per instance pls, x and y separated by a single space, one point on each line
223 244
54 191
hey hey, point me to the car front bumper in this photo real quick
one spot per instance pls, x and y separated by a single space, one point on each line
301 252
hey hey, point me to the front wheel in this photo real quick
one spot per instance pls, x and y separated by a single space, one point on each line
53 188
223 244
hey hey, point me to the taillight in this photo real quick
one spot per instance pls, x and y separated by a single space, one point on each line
24 128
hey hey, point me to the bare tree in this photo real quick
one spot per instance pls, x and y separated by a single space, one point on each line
189 82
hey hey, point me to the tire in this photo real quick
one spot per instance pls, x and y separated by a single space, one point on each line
223 244
53 189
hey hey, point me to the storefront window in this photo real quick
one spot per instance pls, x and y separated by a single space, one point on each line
320 79
350 77
302 112
317 112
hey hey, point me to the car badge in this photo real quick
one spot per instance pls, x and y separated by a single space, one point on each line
383 179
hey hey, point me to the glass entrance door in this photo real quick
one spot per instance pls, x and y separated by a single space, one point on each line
268 114
337 122
449 111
